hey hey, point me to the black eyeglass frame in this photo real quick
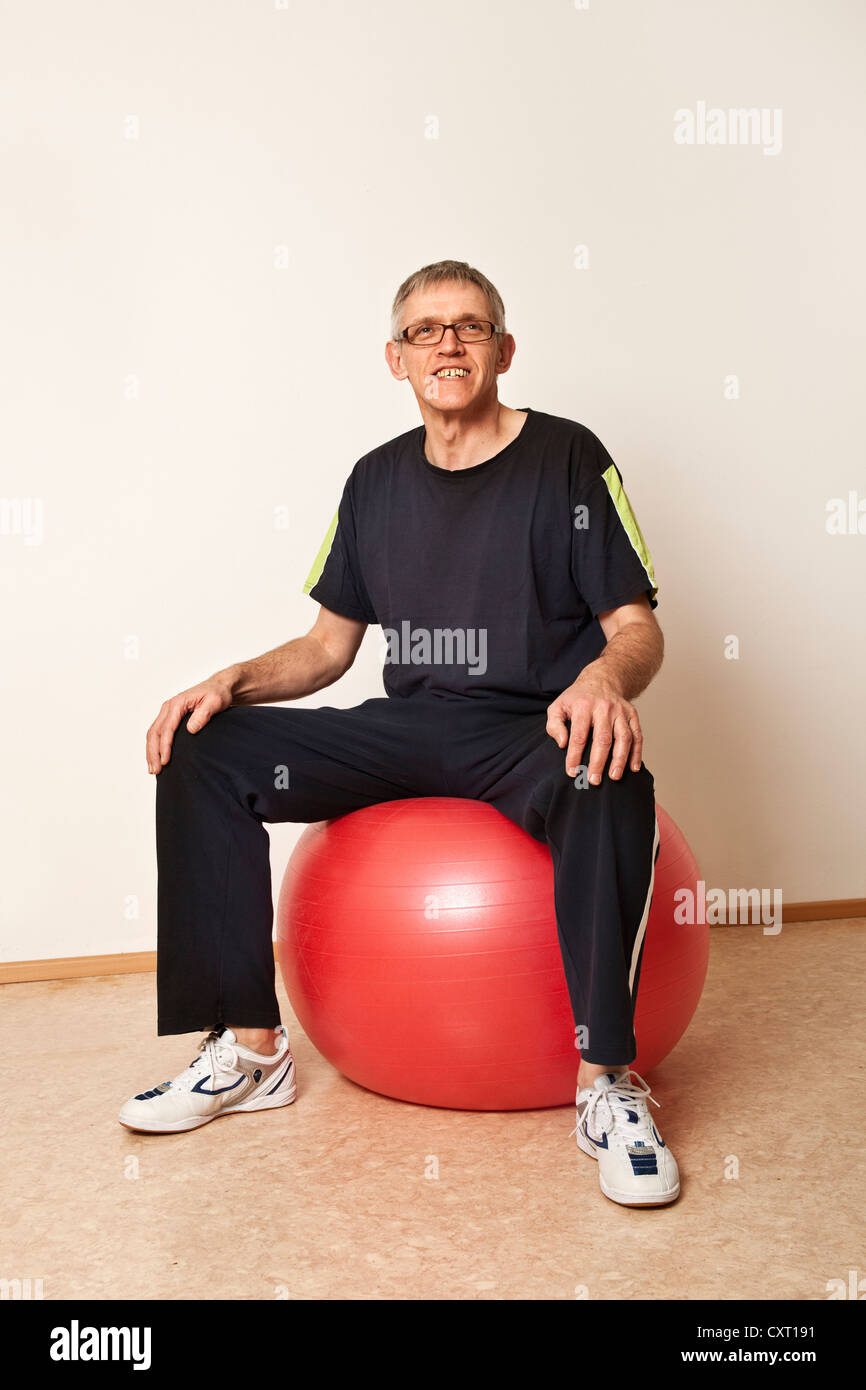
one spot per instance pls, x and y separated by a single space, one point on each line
402 336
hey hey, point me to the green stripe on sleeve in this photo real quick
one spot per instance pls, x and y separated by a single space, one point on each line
324 551
627 517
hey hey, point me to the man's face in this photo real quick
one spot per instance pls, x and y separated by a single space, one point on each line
450 375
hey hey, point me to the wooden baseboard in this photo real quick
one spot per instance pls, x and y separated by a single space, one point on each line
136 962
827 911
15 972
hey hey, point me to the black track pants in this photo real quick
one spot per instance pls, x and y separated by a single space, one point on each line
253 764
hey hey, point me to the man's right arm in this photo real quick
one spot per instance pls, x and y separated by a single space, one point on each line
300 667
297 668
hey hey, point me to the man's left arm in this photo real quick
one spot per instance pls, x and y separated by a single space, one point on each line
600 698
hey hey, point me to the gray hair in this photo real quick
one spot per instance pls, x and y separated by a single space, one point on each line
435 274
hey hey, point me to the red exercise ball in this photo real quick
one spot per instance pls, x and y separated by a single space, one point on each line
417 942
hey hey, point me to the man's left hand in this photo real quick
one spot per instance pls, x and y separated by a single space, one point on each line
592 702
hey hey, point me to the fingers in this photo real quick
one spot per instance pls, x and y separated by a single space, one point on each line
556 725
601 741
200 702
623 738
159 737
161 733
201 714
616 733
580 727
636 744
574 736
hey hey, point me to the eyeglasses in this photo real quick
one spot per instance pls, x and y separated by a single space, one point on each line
469 331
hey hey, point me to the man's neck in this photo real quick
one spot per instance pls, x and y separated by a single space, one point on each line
455 442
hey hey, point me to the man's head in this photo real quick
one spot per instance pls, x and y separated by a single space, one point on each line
449 292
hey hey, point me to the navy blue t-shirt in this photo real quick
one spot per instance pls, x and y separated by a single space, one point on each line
487 581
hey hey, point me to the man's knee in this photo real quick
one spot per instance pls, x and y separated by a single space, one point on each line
556 789
186 746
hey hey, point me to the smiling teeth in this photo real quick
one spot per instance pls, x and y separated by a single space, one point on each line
452 371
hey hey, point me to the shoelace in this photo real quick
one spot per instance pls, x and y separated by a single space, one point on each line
628 1096
218 1056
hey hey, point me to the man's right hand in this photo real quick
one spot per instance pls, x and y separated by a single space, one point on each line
204 700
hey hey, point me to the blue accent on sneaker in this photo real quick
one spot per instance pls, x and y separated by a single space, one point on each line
281 1077
199 1086
642 1163
661 1143
257 1074
599 1143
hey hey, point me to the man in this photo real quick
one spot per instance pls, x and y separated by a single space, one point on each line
498 551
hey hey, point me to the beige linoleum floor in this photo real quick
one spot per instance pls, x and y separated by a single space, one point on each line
328 1198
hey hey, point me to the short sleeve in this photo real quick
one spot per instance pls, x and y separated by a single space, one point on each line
610 560
335 579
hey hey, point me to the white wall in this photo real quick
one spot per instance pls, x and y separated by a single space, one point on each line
151 260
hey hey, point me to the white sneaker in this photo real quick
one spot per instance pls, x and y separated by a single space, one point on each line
614 1126
224 1079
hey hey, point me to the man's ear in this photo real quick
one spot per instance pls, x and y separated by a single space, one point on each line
394 358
